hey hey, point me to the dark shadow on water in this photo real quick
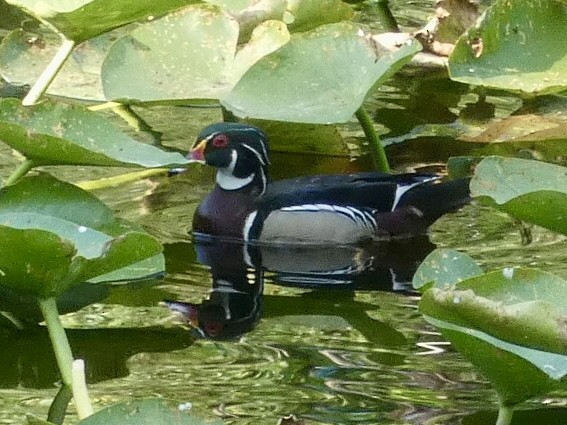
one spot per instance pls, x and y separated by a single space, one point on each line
333 274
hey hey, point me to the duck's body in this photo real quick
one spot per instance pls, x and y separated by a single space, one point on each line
327 209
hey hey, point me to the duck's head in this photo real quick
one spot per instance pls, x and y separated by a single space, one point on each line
238 151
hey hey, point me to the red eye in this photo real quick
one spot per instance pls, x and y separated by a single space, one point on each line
220 141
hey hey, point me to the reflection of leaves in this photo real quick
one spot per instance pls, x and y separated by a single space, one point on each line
529 190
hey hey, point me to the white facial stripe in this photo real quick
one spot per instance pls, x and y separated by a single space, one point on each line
255 152
233 159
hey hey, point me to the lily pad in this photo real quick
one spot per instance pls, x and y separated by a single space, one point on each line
81 20
56 133
512 324
444 268
529 190
25 55
289 85
521 306
188 54
151 411
518 45
56 237
517 373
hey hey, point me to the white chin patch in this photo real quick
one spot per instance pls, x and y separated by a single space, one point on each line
227 181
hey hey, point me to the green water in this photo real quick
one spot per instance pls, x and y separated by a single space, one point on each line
351 356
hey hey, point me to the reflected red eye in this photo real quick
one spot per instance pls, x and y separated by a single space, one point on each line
220 141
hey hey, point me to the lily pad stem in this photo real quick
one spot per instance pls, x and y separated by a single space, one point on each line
21 171
49 72
504 415
376 149
59 341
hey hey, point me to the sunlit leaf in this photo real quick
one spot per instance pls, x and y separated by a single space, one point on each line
189 54
444 267
150 411
512 324
57 235
516 372
533 191
24 56
56 133
518 45
320 76
80 20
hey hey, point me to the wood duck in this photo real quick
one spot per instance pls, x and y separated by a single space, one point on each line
322 209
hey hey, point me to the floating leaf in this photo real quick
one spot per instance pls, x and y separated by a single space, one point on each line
80 20
516 372
444 267
189 54
57 236
533 191
289 84
56 133
512 324
518 45
151 411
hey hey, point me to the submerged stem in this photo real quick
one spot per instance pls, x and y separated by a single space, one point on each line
50 71
58 337
376 149
21 171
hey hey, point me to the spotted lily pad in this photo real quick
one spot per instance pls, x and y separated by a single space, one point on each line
518 45
511 324
320 76
188 54
529 190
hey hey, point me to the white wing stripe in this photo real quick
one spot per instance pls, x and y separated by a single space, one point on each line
360 217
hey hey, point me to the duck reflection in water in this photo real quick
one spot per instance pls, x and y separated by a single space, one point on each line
238 271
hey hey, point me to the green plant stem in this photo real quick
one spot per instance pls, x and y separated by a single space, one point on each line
21 171
49 72
376 149
58 407
504 415
58 337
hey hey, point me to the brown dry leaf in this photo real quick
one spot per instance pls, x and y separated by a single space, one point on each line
522 128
